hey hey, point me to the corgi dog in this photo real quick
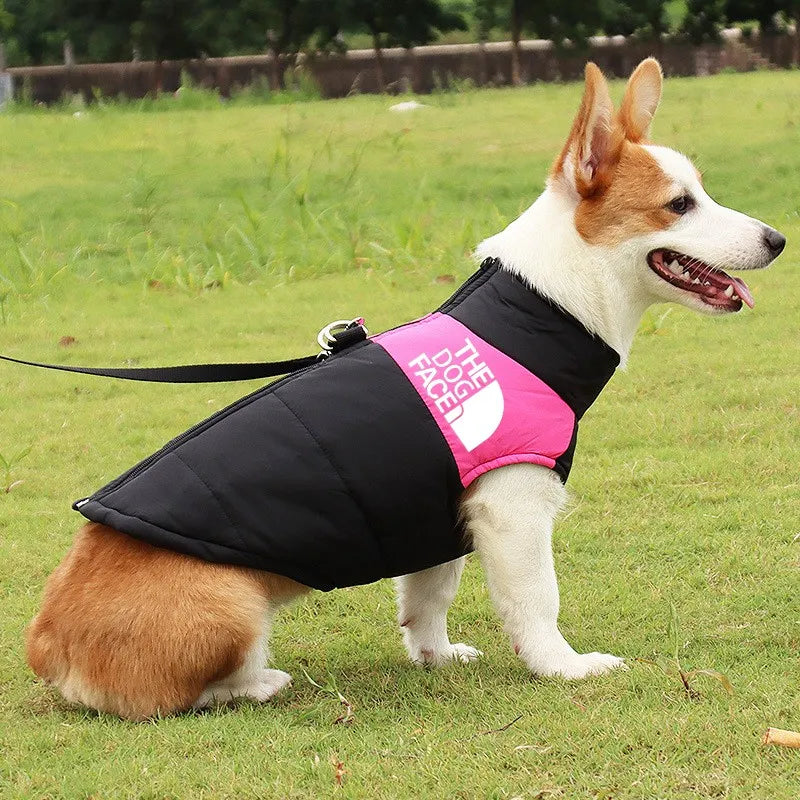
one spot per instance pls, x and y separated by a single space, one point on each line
137 630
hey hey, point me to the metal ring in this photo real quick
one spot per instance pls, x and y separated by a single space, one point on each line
327 336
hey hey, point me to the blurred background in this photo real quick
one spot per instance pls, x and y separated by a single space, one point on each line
50 49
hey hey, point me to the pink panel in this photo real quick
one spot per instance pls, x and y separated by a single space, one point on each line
491 410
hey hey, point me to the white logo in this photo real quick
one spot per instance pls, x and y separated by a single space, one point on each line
464 390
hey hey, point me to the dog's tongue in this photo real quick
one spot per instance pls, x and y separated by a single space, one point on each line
743 291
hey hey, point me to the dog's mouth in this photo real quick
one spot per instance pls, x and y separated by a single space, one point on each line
713 286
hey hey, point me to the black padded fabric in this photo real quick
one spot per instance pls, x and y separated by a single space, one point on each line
338 474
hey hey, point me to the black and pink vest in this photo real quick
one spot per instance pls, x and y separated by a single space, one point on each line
352 469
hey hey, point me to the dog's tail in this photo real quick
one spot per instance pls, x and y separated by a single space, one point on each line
44 653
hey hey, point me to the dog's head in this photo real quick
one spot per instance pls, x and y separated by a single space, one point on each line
647 203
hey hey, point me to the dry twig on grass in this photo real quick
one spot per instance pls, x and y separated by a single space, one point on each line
781 738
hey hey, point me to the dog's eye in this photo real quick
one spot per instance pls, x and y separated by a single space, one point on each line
682 204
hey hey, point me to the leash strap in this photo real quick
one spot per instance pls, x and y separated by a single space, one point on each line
340 335
188 373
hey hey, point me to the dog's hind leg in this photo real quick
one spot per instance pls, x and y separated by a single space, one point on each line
252 680
423 600
510 515
139 631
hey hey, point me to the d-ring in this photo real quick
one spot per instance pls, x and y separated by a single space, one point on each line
327 336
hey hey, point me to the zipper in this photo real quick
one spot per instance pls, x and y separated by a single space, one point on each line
468 286
487 269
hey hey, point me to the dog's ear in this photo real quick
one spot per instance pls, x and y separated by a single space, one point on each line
590 150
642 96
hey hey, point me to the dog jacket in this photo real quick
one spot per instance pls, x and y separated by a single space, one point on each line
351 470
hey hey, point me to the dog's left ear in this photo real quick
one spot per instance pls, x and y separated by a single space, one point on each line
590 150
642 96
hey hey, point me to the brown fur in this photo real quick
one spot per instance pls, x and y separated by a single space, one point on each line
593 141
136 631
632 204
623 192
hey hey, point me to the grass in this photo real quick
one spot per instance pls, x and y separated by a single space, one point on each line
234 234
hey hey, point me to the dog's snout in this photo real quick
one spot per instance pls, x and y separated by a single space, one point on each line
775 241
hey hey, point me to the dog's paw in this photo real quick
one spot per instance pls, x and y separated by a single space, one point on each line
261 686
462 653
268 683
582 665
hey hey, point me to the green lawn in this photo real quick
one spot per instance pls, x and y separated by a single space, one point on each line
234 234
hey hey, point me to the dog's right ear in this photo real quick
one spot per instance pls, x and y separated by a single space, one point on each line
642 96
591 148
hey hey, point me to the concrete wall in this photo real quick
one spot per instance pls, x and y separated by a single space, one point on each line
421 69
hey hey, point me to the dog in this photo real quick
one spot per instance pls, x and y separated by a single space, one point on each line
139 630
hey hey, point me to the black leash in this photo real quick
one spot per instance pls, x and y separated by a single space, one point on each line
332 338
188 373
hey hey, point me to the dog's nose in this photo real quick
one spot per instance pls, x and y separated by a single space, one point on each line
775 241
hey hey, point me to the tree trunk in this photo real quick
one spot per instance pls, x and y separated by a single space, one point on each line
516 25
69 63
277 68
158 77
380 73
796 39
483 69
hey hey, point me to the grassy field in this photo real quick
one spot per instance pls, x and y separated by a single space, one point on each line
234 234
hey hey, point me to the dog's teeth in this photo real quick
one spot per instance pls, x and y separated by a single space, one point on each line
736 297
707 283
675 268
686 275
729 291
695 280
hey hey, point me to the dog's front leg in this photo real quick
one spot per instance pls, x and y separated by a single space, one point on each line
423 599
510 515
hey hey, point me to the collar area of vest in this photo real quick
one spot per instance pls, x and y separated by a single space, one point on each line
535 331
